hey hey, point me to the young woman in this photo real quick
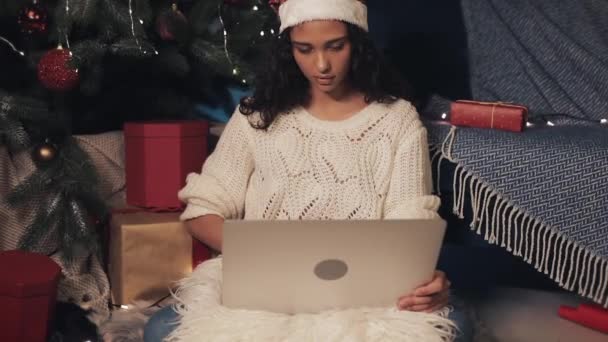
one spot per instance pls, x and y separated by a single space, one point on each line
328 134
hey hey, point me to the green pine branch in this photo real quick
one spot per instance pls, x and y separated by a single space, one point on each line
87 53
83 11
131 47
45 223
70 202
35 185
201 15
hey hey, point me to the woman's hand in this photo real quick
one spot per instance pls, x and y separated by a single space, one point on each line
428 298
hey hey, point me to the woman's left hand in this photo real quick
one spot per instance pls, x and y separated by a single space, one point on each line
429 297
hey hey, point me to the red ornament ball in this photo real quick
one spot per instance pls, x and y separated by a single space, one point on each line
55 73
172 25
33 19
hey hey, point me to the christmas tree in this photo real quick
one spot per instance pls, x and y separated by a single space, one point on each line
70 67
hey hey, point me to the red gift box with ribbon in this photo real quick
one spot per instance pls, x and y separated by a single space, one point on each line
148 253
495 115
158 157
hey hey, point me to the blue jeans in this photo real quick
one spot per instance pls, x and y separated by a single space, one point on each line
163 322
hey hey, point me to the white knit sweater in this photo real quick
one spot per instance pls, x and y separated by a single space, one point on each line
373 165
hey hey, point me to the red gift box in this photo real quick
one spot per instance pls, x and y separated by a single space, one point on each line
497 115
28 287
159 156
590 315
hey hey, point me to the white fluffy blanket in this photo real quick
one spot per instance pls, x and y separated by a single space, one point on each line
203 318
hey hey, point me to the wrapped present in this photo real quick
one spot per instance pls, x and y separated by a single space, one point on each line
148 254
159 156
496 115
590 315
28 290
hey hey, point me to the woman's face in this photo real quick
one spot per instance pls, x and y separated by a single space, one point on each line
322 50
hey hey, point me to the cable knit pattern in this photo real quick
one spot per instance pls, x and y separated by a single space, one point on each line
373 165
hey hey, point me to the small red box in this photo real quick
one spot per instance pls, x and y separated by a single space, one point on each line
497 115
28 289
159 156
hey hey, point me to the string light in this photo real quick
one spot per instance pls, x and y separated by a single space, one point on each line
133 29
125 307
547 119
262 33
12 46
235 71
133 24
529 124
272 31
219 10
255 8
67 13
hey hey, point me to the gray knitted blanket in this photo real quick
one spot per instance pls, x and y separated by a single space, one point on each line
551 55
541 194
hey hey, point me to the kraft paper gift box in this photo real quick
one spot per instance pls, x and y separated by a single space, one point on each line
148 254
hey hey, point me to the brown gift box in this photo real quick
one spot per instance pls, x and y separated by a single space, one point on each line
149 252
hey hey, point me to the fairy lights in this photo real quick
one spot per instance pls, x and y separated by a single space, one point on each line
12 46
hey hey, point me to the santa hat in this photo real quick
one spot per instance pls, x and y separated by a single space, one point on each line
295 12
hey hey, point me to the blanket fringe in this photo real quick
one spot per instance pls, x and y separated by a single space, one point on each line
203 318
502 223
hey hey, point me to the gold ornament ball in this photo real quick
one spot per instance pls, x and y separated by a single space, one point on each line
46 152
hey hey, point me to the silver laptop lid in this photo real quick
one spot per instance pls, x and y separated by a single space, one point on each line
312 266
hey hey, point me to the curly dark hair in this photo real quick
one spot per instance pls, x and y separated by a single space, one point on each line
280 86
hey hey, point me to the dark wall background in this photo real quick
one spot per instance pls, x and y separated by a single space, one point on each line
426 41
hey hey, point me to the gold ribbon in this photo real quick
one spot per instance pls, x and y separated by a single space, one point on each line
493 110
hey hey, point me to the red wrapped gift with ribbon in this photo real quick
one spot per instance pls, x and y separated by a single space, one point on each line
495 115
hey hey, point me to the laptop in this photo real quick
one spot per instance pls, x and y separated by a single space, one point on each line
312 266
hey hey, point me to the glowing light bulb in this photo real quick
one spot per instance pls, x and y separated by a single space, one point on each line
549 123
444 116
